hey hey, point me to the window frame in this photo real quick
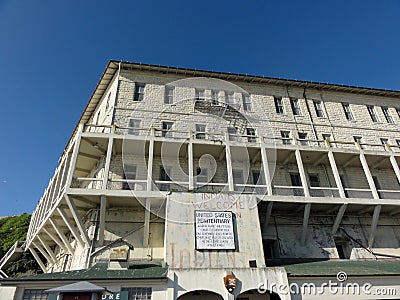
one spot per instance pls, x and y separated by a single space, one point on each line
200 94
295 105
286 140
303 141
372 113
347 111
319 111
279 107
200 131
251 135
165 130
168 98
138 94
388 116
134 130
247 104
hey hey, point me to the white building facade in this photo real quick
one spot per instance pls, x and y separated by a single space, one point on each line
197 175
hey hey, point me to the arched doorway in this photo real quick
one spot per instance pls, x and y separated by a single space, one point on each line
200 294
255 295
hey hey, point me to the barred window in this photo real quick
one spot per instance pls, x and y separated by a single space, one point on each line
318 109
387 114
246 102
169 95
35 295
138 293
372 113
139 92
294 103
347 111
279 105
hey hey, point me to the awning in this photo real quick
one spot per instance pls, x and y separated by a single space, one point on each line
81 286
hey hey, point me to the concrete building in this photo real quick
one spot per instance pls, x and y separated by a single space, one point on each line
180 183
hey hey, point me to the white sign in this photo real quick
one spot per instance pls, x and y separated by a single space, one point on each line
214 230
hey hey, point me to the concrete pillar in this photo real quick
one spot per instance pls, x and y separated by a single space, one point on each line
302 173
190 163
77 218
39 261
74 156
228 158
62 236
267 175
149 186
102 220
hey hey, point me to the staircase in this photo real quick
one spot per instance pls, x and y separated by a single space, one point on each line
13 254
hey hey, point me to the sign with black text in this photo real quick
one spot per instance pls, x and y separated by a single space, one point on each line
214 230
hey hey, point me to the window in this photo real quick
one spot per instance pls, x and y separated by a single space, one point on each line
200 94
246 102
232 132
229 99
314 182
358 139
286 140
35 295
384 142
326 137
200 131
202 175
130 174
214 97
398 142
134 126
164 176
347 111
279 105
372 113
318 109
237 176
387 115
169 94
303 138
251 135
296 181
294 103
166 126
138 293
139 92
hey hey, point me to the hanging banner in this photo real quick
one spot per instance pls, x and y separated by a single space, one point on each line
214 230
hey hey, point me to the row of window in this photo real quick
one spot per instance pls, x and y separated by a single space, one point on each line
200 94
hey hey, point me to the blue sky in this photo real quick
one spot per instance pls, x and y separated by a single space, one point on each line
52 53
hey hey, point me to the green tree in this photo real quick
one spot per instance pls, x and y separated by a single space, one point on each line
13 229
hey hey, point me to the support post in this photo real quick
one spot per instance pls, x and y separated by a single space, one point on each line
77 218
267 175
150 161
336 175
374 224
44 253
395 166
190 163
107 162
74 232
306 216
268 216
74 156
302 173
338 219
367 173
48 249
55 239
39 261
229 164
62 236
146 228
102 221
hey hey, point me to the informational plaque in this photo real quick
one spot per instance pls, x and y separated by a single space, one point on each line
214 230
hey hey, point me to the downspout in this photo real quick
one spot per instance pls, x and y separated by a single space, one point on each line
309 113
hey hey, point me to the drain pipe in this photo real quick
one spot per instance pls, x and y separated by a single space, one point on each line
309 113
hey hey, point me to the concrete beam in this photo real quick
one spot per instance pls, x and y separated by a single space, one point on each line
90 156
351 160
288 158
44 253
190 164
268 216
102 221
107 163
336 175
319 160
378 163
374 224
265 166
77 218
149 185
339 218
39 261
95 146
55 239
367 173
306 216
395 167
302 173
48 249
71 227
146 228
62 236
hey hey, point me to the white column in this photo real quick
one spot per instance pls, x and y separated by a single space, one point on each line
395 166
74 232
55 239
39 261
339 217
74 156
267 175
44 253
368 175
302 173
374 224
306 216
228 159
107 162
146 228
190 162
48 249
336 175
77 218
102 221
62 236
268 216
150 162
